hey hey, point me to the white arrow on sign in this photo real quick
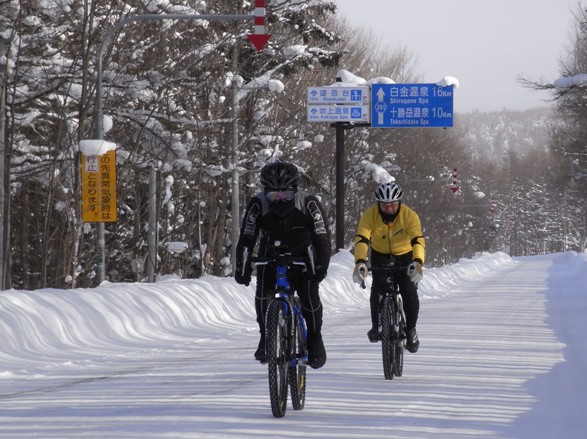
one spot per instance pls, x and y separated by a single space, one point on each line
380 106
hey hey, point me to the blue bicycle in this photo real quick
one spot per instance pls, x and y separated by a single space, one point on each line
286 334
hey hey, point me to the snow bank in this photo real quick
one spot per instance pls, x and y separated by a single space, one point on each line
41 325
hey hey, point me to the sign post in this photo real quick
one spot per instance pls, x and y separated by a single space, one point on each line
345 107
376 106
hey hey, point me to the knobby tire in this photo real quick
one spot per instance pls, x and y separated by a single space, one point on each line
399 334
297 370
276 327
387 345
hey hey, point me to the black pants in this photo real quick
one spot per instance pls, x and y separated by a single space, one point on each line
308 292
407 288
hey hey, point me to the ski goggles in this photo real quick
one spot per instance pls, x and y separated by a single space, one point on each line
280 195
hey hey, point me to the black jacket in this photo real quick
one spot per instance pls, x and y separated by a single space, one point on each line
304 225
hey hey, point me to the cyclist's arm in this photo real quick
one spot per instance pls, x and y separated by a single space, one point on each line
414 229
363 237
249 230
320 232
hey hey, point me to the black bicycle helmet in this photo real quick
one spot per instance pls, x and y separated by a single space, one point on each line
389 193
280 175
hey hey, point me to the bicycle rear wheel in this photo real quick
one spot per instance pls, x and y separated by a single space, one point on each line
276 327
387 345
398 338
297 367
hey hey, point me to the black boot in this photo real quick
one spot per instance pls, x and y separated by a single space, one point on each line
412 342
316 351
373 334
260 353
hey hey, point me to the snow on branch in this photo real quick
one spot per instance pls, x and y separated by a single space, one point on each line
568 82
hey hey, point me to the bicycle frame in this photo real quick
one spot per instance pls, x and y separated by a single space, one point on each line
286 295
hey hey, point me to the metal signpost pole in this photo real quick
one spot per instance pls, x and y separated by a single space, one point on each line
346 107
339 186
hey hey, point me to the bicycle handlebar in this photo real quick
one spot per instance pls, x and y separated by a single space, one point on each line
287 259
386 269
284 259
393 268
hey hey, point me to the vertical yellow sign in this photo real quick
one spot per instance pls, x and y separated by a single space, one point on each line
99 188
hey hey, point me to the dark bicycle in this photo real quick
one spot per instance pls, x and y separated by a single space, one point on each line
286 334
392 322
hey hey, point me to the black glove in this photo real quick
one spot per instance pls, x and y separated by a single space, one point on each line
239 277
318 276
242 279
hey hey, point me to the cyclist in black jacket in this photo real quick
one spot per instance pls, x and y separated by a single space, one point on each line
282 212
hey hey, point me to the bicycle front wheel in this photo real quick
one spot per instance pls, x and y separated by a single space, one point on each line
387 345
276 327
399 337
297 367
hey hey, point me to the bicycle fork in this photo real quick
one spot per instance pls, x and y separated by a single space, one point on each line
292 312
400 316
298 356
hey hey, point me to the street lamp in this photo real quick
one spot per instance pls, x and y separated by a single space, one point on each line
99 115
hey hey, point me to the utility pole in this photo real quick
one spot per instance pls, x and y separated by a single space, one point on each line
235 198
3 219
153 233
258 39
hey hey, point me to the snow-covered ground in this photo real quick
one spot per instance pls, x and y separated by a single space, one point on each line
503 355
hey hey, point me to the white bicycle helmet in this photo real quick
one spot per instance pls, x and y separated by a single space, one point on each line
388 193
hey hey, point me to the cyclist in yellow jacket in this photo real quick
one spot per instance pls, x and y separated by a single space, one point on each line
393 232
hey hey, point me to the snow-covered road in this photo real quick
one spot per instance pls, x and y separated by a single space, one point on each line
503 355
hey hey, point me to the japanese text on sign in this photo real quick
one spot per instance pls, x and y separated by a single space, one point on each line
338 113
338 95
411 105
99 187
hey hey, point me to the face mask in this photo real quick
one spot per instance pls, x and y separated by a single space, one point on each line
282 208
389 217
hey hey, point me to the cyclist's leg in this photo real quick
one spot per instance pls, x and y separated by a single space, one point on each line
409 293
312 311
408 290
377 291
377 288
265 288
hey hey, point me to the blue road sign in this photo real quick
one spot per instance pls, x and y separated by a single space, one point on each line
338 95
411 106
338 113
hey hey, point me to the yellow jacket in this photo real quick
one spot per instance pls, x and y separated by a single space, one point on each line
397 238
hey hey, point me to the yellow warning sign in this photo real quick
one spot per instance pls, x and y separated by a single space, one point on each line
99 187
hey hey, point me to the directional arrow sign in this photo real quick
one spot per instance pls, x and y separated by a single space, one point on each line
338 95
338 113
411 106
259 38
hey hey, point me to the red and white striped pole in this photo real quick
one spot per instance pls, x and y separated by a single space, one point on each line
492 206
259 38
454 185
